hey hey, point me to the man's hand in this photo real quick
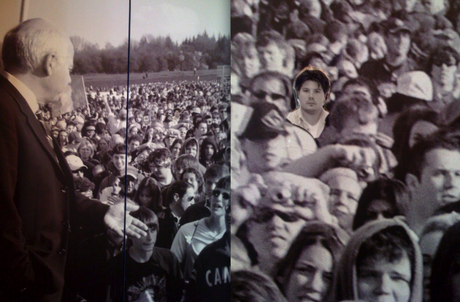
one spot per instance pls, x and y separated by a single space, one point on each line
114 219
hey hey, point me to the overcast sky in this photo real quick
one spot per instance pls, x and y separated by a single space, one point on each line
106 21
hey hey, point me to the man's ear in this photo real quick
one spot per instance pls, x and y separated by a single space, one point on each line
176 197
412 182
49 64
382 107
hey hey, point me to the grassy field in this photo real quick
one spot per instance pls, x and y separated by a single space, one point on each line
110 80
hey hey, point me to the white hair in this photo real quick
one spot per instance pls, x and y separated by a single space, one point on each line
26 46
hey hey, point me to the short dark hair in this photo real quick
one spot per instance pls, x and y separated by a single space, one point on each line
391 191
356 106
438 140
390 244
177 187
199 176
162 154
135 138
145 215
224 183
315 74
216 170
119 149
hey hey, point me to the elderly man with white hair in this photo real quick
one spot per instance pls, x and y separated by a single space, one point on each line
41 214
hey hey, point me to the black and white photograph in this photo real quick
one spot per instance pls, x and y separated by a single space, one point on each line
115 150
345 150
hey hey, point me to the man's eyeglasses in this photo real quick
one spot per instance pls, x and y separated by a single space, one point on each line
265 214
261 95
225 195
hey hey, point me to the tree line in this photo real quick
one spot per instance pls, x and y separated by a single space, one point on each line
152 54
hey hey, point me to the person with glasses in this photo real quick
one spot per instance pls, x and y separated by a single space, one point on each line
311 89
210 279
288 203
269 141
192 237
444 73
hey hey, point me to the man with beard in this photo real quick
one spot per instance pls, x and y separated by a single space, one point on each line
268 141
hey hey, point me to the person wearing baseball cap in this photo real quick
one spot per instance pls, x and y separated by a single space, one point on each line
76 165
385 72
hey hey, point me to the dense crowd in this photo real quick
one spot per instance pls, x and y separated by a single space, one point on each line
369 209
166 151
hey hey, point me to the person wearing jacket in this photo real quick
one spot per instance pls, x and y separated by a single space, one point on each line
381 262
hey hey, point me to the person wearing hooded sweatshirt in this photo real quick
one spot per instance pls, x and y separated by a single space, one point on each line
381 262
208 150
191 147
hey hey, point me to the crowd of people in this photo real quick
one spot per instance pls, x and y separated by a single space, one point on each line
166 151
367 206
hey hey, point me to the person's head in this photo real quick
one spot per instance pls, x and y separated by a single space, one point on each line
433 230
134 142
85 149
179 196
385 266
281 213
128 184
376 45
71 127
398 41
354 114
310 8
63 138
212 176
312 87
249 285
220 198
88 130
175 147
183 162
272 49
344 194
306 272
381 199
361 87
149 195
119 157
194 178
445 273
444 68
146 243
45 60
207 149
270 97
433 174
160 163
434 7
103 144
116 139
76 166
200 129
411 126
190 147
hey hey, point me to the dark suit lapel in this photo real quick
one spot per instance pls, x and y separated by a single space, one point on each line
32 121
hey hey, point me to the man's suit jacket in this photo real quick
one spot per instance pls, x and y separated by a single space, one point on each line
40 213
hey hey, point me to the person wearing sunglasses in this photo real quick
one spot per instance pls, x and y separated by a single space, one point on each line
269 141
444 70
288 203
193 237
